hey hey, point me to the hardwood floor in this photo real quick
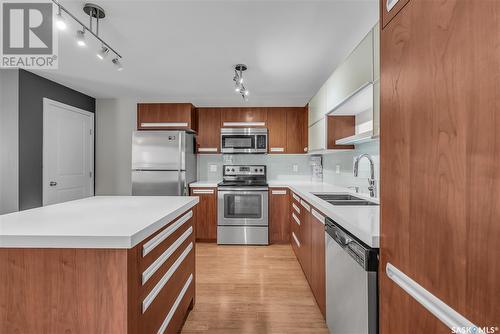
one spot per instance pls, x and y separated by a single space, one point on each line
251 289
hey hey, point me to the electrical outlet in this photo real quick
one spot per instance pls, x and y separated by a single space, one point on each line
295 168
337 169
213 168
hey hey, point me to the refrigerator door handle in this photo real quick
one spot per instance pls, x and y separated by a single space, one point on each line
179 166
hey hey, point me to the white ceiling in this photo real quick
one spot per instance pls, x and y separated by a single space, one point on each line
177 51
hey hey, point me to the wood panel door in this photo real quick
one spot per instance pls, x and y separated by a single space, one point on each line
205 214
279 209
166 116
440 156
208 139
243 117
296 128
277 130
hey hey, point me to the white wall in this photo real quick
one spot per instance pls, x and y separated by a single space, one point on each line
9 141
115 122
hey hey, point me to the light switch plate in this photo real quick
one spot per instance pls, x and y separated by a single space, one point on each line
295 168
212 168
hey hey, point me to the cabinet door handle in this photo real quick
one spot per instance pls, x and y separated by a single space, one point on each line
295 197
277 149
318 216
305 205
296 240
278 192
165 124
207 149
296 208
390 4
203 191
244 124
297 220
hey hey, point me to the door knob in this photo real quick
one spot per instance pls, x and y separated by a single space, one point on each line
53 183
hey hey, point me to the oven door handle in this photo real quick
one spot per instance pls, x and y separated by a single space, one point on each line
234 190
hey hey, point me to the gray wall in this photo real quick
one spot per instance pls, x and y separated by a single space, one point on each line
32 90
9 140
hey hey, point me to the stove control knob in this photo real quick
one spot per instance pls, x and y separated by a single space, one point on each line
261 170
232 170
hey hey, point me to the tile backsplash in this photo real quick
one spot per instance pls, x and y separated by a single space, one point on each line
283 166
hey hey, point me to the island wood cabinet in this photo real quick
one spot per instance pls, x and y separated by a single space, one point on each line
166 116
308 242
205 214
279 209
440 179
209 123
146 289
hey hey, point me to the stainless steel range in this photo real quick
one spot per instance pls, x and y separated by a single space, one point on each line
242 206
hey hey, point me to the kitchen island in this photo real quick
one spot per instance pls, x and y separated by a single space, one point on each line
116 264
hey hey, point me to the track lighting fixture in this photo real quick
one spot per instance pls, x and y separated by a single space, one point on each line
238 81
95 14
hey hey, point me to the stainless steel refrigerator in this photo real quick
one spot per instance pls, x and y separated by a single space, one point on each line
163 163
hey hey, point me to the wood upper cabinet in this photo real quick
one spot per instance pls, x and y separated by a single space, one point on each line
277 130
296 127
440 148
340 127
205 214
208 139
243 117
279 208
164 116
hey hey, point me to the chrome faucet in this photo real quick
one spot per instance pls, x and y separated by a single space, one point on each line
372 186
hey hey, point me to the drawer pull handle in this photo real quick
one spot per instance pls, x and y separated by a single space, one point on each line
146 275
165 124
151 244
207 149
161 283
318 216
390 4
278 192
296 208
296 240
295 197
277 149
178 300
296 219
203 191
305 205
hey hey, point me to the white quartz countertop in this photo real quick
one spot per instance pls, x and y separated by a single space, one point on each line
361 221
94 222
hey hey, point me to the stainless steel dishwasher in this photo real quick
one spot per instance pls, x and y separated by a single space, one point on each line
351 283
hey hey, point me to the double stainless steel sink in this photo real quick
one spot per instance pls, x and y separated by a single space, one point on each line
344 199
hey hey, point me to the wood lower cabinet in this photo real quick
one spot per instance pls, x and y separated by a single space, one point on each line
208 138
205 214
166 116
308 242
149 288
440 148
279 208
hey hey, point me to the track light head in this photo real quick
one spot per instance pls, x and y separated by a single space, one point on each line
103 52
80 38
60 21
118 64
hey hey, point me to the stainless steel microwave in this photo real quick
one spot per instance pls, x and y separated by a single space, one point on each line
243 140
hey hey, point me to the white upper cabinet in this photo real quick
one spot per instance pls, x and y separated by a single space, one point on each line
355 72
317 136
317 106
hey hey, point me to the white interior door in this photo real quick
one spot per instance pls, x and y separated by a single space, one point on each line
68 153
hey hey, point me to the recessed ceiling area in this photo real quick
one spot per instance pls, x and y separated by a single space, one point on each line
184 51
